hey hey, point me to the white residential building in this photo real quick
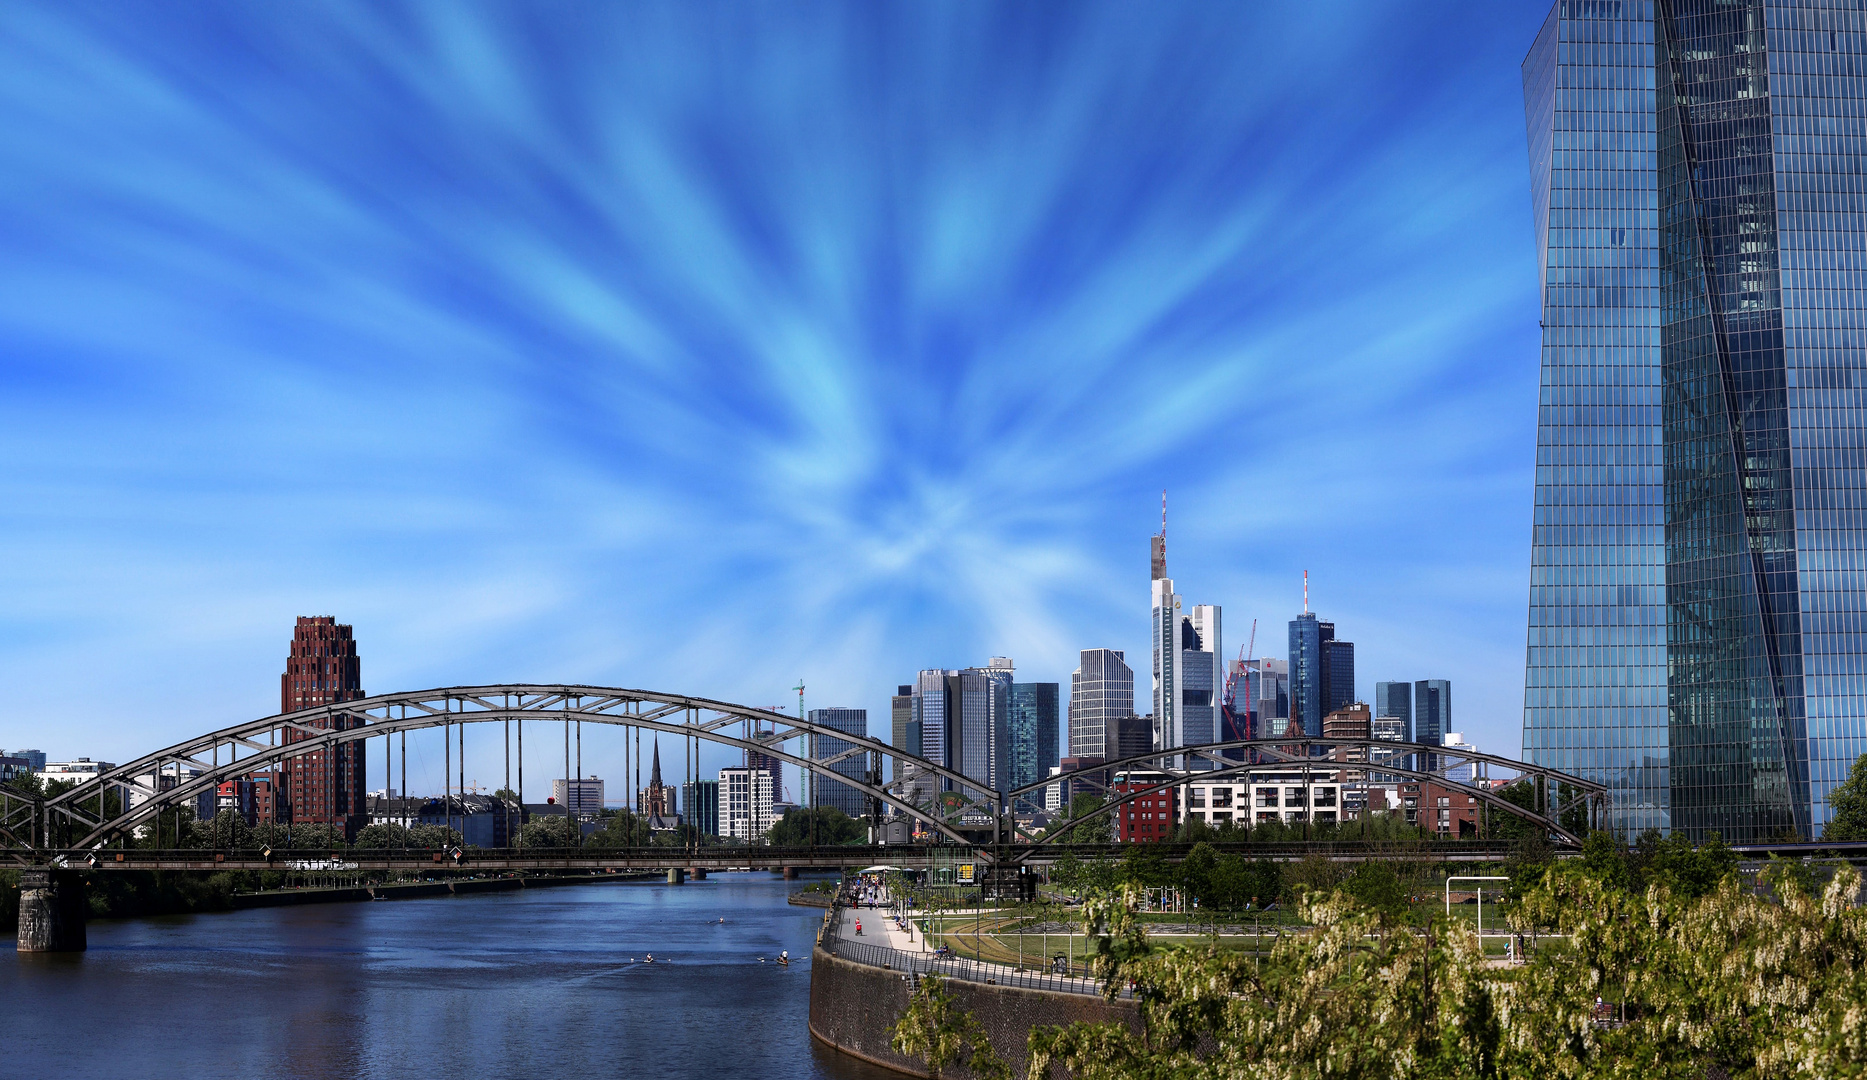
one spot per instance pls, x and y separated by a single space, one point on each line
745 803
1290 798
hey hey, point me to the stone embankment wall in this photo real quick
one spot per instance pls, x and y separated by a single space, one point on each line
853 1006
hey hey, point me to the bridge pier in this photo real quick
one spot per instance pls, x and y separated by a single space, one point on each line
677 876
51 910
790 873
697 873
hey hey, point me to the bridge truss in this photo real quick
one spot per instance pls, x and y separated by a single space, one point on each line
81 818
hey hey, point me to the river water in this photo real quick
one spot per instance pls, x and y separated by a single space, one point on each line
537 983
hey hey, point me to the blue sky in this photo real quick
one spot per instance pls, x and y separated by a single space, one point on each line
710 347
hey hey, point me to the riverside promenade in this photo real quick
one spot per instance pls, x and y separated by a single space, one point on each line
860 984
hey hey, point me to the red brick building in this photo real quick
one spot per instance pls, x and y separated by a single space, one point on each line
1444 811
1150 818
325 786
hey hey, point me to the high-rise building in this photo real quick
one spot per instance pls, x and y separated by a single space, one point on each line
1033 732
1189 665
827 792
1101 691
35 759
584 797
1130 736
324 786
702 799
1322 672
1432 710
999 677
964 719
907 735
1700 525
1395 699
1261 695
745 800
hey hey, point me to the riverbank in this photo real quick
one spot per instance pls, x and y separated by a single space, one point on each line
133 894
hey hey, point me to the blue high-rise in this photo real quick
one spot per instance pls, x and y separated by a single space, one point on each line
1696 597
1033 732
1322 673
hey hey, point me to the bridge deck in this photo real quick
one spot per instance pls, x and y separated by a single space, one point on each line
714 858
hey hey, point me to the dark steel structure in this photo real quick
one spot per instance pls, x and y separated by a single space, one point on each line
83 820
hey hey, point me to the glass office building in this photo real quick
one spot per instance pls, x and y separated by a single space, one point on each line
826 792
1033 732
1700 538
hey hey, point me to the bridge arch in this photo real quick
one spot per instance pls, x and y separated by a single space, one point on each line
274 739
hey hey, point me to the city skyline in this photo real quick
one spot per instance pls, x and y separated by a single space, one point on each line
512 359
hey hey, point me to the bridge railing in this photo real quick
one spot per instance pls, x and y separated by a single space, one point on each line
835 942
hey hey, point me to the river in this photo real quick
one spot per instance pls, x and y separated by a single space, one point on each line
536 983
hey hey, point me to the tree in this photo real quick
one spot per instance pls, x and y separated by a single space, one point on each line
832 827
1847 806
555 831
1197 871
1092 830
1377 886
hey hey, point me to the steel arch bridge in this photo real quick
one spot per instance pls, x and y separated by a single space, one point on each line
77 819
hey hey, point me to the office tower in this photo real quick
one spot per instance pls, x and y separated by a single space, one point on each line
1395 699
745 801
35 759
1262 695
955 711
1432 710
1322 672
584 797
907 735
324 786
929 713
702 799
1189 666
1695 598
1130 736
827 792
1101 690
999 676
1033 732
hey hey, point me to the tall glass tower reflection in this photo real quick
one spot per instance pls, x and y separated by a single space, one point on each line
1700 541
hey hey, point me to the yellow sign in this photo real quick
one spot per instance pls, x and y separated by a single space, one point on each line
965 874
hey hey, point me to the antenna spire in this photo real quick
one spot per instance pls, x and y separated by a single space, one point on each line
1306 592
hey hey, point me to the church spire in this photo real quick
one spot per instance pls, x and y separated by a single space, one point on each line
654 775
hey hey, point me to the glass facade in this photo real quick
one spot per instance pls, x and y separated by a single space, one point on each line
1697 544
825 792
1033 732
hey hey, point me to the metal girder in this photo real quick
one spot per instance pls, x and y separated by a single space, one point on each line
355 721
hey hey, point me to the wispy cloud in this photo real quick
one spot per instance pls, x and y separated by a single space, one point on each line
705 347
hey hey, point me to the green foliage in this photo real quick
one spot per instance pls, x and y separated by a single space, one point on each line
1312 873
934 1029
556 831
832 827
1095 829
1377 886
1719 983
416 837
1847 806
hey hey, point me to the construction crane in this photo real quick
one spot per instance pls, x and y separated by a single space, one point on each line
1230 700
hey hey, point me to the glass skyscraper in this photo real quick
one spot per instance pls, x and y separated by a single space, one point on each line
1696 594
1033 732
1322 673
824 792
